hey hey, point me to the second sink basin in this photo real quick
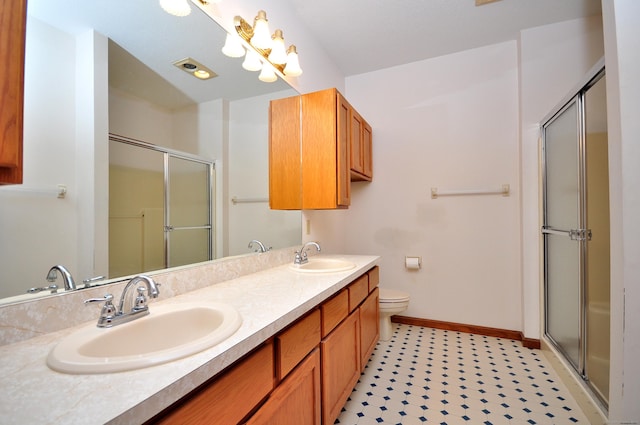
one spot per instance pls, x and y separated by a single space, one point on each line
168 333
323 265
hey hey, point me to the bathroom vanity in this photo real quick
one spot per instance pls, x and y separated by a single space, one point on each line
304 340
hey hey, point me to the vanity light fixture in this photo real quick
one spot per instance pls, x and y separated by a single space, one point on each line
233 46
265 53
261 38
278 53
180 7
195 68
175 7
292 67
267 75
252 61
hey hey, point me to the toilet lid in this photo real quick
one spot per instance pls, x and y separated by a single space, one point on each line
391 295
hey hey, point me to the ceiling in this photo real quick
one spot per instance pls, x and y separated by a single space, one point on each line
367 35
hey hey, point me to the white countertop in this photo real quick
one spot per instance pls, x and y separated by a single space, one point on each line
31 393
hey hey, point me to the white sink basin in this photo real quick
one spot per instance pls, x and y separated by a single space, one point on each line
323 265
168 333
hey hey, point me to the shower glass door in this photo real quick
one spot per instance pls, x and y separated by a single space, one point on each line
563 272
576 234
188 216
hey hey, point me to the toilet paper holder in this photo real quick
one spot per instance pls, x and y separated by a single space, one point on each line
412 263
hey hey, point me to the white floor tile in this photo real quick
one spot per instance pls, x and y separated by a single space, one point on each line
431 376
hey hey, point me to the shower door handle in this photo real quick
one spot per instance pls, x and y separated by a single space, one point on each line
573 234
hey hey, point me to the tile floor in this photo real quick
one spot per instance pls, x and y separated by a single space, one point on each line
432 376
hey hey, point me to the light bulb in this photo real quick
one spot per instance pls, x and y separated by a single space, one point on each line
292 68
232 47
261 35
202 74
175 7
252 61
267 75
278 53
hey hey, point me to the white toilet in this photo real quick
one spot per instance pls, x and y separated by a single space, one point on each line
391 302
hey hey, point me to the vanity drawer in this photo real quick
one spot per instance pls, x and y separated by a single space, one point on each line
293 344
358 291
334 311
374 277
228 398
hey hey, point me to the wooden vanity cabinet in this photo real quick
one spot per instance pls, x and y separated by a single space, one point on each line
369 326
317 130
340 353
228 398
347 348
296 401
12 44
302 376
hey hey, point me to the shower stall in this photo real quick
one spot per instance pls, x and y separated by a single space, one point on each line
576 232
160 207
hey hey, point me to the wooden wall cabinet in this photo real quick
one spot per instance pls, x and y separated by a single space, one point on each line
311 138
13 18
360 139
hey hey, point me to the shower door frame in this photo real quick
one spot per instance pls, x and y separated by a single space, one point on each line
210 184
577 97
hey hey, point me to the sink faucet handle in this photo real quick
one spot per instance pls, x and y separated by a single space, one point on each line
141 300
107 299
108 309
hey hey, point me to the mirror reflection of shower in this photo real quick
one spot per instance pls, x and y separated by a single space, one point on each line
160 208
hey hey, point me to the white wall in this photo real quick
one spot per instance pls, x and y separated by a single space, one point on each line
622 39
552 60
450 123
30 221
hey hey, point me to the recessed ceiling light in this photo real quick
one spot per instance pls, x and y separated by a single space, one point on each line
195 68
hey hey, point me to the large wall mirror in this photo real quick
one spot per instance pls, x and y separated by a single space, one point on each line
106 67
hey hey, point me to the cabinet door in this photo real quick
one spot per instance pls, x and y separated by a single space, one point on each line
367 151
369 327
285 154
12 40
296 401
229 398
340 366
357 152
343 152
293 344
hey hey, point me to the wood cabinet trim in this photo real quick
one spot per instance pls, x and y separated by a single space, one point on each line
12 53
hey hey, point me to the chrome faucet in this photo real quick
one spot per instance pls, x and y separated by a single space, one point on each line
261 248
301 256
110 316
69 284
